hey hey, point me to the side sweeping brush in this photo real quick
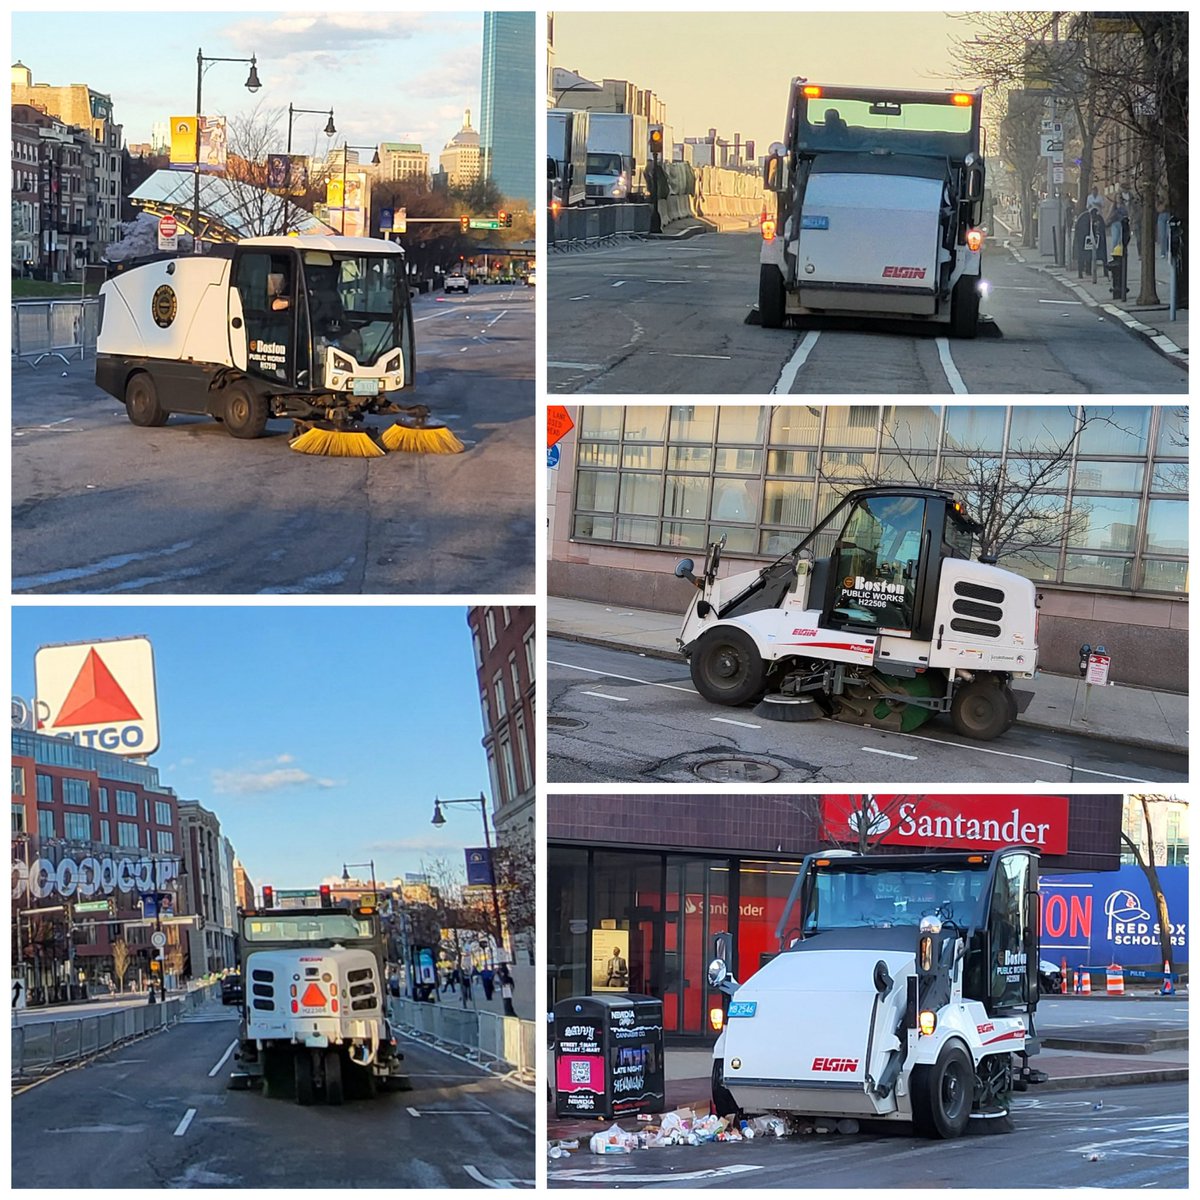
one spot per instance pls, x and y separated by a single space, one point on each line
421 439
336 443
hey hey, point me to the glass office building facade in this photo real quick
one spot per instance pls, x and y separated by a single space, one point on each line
508 111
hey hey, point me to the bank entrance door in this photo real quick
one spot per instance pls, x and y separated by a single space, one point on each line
697 906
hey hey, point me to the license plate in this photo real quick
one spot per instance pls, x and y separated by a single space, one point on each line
814 222
742 1008
366 387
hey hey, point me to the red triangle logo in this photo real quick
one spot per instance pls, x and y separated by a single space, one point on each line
96 697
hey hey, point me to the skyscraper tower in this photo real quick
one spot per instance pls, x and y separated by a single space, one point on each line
506 125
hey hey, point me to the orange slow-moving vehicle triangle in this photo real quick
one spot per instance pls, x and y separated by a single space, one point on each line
96 696
313 997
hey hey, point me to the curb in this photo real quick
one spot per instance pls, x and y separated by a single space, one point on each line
1148 333
688 231
1072 1083
673 656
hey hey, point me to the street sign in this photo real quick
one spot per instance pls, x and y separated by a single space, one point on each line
1052 143
558 423
386 217
92 906
158 939
553 456
1059 173
484 223
168 231
1097 669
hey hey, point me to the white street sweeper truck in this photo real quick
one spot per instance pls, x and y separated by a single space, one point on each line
878 616
314 1015
878 209
318 329
904 990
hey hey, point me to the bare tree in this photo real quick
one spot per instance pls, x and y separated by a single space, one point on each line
1147 858
121 956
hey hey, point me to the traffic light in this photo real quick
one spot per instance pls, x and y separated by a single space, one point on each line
464 223
268 897
656 141
326 896
504 218
155 966
507 220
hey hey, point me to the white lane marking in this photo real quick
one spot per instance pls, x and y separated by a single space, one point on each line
953 378
496 318
182 1127
666 281
675 687
570 366
473 1112
717 357
412 1112
112 563
1045 762
223 1059
889 753
730 721
479 1177
621 1177
1078 303
585 296
619 699
429 317
783 385
619 283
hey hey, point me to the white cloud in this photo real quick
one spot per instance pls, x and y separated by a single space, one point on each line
252 781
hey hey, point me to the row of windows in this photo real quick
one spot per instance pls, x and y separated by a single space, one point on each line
62 752
694 489
77 827
78 792
507 783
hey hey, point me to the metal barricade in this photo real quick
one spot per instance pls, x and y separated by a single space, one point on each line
495 1042
62 329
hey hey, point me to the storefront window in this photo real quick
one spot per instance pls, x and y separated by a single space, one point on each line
692 424
642 458
1169 477
974 428
1099 570
567 923
742 424
601 420
697 906
646 423
763 892
1103 524
687 496
795 425
1041 428
641 494
1160 576
1167 527
789 503
690 458
855 425
600 528
1116 430
597 490
735 500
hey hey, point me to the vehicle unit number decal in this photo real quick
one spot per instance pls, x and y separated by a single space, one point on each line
814 222
742 1008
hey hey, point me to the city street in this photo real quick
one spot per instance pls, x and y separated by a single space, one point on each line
624 717
101 506
668 317
155 1113
1138 1139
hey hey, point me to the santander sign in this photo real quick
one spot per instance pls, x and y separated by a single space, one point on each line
959 822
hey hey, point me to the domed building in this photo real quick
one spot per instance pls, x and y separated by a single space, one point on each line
460 159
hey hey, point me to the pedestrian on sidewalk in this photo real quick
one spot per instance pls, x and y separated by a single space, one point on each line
506 989
465 987
487 977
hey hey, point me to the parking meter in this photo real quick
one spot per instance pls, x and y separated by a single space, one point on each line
1085 652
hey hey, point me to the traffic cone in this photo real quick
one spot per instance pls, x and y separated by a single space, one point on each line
1116 980
1078 982
1168 988
1087 981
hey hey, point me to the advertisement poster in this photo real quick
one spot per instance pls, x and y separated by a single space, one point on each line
214 144
610 960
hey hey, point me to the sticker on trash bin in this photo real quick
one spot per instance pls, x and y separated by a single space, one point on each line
581 1071
742 1008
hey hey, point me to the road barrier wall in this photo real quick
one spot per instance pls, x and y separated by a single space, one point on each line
725 193
494 1041
39 1045
62 329
574 228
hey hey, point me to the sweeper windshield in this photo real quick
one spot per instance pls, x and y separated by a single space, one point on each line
857 895
357 303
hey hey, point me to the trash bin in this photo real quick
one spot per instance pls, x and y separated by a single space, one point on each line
608 1056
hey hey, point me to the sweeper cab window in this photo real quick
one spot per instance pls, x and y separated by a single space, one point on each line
884 124
306 925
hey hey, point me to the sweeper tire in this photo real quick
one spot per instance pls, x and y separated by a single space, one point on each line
727 667
772 304
942 1094
245 411
141 401
982 709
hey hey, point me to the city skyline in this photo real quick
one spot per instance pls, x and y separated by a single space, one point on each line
306 60
326 755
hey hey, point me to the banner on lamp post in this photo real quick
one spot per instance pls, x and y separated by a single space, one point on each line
479 867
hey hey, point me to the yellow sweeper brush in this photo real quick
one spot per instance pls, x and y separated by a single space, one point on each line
337 443
421 439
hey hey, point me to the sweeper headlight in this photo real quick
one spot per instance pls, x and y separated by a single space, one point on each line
342 364
394 363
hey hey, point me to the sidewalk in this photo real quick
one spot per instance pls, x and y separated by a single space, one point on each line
688 1077
1152 323
1132 716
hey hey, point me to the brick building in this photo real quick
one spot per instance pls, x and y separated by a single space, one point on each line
208 890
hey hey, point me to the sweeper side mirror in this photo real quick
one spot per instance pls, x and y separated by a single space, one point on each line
684 570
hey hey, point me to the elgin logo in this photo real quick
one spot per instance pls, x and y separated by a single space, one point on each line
903 272
988 1028
805 633
835 1064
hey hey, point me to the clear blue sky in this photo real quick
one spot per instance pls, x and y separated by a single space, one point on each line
389 76
317 735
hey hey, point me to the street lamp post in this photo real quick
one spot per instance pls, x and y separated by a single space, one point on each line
330 129
439 820
346 146
252 86
158 895
369 863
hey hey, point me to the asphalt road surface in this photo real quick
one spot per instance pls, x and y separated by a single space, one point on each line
621 717
1137 1139
101 506
155 1113
666 316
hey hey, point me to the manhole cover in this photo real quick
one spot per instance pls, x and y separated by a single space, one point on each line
736 770
564 723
